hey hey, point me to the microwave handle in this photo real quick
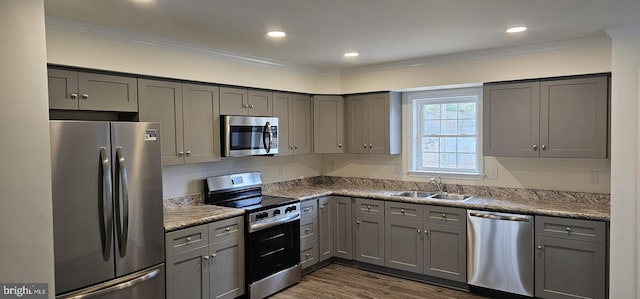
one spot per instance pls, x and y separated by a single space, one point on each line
267 135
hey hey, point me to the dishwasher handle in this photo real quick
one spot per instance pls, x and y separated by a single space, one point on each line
499 217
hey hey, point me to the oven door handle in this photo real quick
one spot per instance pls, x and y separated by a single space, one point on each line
254 227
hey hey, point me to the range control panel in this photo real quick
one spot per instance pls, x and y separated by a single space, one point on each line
274 214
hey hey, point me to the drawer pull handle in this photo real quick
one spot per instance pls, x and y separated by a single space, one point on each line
306 230
444 215
568 229
188 239
368 207
306 210
213 255
206 257
402 211
227 229
307 255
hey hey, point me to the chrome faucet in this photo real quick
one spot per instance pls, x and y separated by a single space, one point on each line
437 183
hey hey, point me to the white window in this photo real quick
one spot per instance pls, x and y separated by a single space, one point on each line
444 131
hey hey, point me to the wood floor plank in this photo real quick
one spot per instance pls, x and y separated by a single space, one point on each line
337 281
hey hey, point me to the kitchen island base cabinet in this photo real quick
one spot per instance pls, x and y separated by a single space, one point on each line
570 258
206 261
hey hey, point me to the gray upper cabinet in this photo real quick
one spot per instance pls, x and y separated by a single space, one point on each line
374 123
295 123
570 258
573 118
342 226
325 229
190 119
328 124
511 119
73 90
369 238
563 118
242 101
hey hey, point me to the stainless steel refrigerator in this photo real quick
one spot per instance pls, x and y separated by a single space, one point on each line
107 209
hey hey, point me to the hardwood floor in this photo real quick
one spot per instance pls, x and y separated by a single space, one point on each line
337 281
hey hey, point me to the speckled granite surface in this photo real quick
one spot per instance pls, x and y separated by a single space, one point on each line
593 206
189 211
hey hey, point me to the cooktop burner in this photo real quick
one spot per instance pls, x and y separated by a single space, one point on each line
241 191
270 202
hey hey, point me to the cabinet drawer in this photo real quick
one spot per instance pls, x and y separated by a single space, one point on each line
369 206
403 210
226 229
308 254
308 211
574 229
186 239
445 215
308 232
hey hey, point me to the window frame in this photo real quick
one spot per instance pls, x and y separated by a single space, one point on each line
411 147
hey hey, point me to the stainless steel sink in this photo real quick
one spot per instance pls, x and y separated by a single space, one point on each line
456 197
416 194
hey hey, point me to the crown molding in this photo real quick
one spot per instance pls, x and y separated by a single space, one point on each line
77 27
599 40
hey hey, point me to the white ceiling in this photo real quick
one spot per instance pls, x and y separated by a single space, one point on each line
319 32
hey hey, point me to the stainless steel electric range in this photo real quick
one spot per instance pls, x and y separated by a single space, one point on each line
272 231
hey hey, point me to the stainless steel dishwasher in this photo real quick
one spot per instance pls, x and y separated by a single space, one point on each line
500 251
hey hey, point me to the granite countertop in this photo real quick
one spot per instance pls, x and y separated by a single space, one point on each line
560 208
177 217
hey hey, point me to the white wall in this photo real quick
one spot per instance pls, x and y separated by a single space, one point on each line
625 233
25 209
188 179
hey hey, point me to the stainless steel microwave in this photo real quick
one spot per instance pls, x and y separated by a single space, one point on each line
249 135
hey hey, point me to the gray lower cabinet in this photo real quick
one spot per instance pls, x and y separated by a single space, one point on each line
570 258
555 118
308 233
206 261
369 231
342 226
74 90
190 119
428 240
325 229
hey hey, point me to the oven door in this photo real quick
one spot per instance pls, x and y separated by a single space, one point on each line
273 249
249 136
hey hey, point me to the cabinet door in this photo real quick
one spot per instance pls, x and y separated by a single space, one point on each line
511 119
370 239
378 124
233 101
281 109
445 251
325 229
573 118
100 92
569 269
161 101
357 125
404 245
328 124
308 254
227 269
301 118
201 123
343 240
188 275
63 89
260 103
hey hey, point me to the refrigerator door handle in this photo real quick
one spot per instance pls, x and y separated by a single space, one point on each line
107 208
127 284
122 213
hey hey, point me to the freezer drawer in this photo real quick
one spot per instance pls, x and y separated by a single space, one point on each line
500 251
148 283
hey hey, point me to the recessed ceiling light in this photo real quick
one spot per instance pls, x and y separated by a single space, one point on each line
276 34
516 29
143 1
351 54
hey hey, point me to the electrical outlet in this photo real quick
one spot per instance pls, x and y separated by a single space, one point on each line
595 177
492 174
